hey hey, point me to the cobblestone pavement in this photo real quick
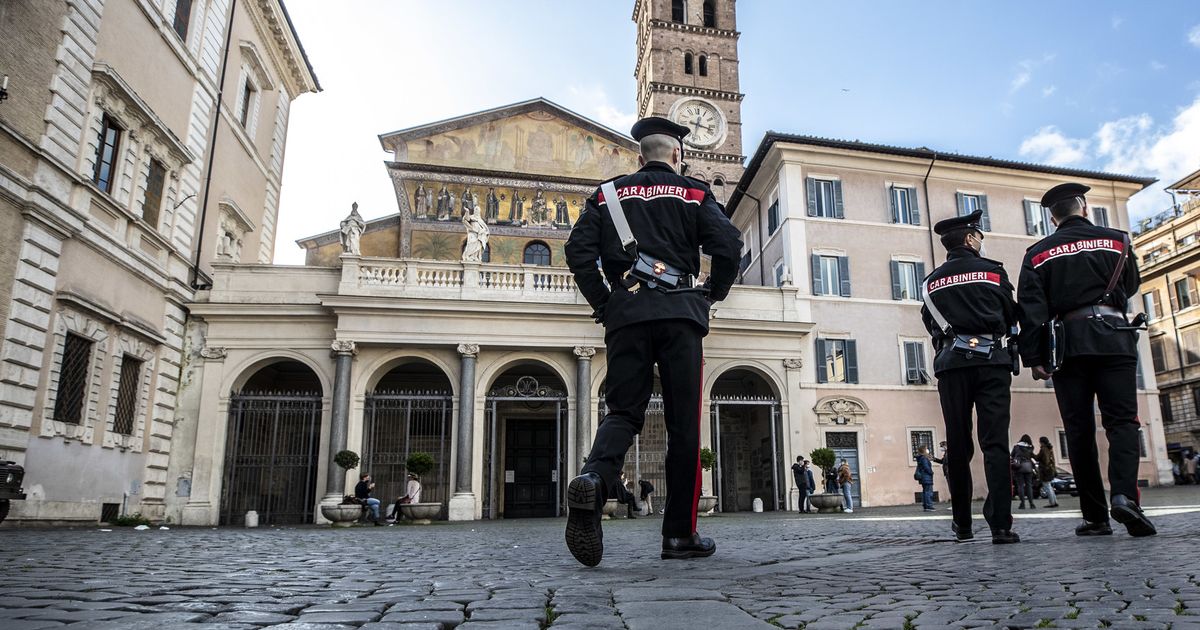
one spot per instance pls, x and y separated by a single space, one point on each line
893 568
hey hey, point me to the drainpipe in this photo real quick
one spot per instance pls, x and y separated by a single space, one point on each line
929 210
212 150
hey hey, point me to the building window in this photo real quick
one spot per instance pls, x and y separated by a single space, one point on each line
904 205
678 11
825 198
687 63
1186 241
1062 446
247 109
1143 448
703 65
1164 406
918 438
1151 304
773 218
1191 345
906 279
72 379
831 275
780 272
1037 219
1158 354
537 253
914 364
107 144
1099 216
710 14
183 17
127 395
152 202
1183 293
968 203
837 361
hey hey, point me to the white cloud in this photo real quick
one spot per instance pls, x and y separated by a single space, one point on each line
1117 22
593 101
1025 69
1157 65
1020 80
1194 36
1049 90
1050 146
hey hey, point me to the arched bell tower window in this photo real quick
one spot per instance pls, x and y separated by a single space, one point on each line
687 63
678 11
710 14
537 253
703 65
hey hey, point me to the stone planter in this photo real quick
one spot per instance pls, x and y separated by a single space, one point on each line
826 502
421 513
707 504
342 515
609 510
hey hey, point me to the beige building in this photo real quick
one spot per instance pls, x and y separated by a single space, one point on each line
111 211
849 225
1168 246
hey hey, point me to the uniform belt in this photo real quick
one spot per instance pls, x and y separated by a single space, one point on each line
1000 341
1094 311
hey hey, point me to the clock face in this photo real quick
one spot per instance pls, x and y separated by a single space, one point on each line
704 121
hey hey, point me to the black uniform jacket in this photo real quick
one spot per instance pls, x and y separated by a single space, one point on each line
672 217
974 295
1068 270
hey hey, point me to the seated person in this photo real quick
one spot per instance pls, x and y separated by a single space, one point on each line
412 494
362 492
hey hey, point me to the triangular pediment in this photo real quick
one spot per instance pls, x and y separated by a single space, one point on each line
535 137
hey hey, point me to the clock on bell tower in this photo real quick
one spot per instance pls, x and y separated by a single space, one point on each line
687 70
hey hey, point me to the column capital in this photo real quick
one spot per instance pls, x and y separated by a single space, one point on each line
340 346
468 349
793 364
585 352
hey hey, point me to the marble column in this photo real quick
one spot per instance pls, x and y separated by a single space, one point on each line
335 484
583 405
462 504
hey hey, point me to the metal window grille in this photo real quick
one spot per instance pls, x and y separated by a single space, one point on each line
920 438
537 254
127 390
1062 446
72 379
109 512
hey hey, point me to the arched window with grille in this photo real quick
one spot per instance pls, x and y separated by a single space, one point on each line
678 11
703 65
687 63
537 253
710 14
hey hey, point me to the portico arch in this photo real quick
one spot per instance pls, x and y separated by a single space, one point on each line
747 431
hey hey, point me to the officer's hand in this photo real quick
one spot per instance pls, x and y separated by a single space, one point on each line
1040 373
598 314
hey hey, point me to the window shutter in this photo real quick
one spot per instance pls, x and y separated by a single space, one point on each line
891 195
921 359
897 289
844 272
985 221
920 277
962 207
817 281
1030 225
851 361
916 208
911 367
1157 305
1191 289
812 197
1172 294
838 212
822 373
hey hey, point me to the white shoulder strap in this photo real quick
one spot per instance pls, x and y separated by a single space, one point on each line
618 216
933 310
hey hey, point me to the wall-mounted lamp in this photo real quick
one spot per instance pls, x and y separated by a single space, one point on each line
4 88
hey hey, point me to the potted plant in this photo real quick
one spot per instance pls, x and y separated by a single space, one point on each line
708 459
350 509
828 501
420 464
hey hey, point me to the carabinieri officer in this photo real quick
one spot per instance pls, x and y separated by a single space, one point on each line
652 314
1074 288
969 311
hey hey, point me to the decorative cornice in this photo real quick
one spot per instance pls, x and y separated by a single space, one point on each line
470 350
214 353
342 346
695 28
113 93
275 29
793 364
688 90
585 352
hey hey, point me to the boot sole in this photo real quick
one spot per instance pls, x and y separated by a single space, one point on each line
685 554
1085 534
1135 522
1005 541
584 538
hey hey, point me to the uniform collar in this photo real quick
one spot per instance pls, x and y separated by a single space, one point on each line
962 251
657 166
1073 218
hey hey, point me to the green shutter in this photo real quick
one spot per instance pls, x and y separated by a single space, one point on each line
912 365
1030 226
844 272
985 221
916 207
897 288
851 360
812 196
822 371
891 195
818 283
839 211
962 206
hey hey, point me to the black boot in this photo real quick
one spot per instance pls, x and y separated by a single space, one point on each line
1088 528
691 547
585 539
962 534
1128 513
1004 537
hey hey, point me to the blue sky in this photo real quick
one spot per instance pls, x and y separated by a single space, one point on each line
1101 84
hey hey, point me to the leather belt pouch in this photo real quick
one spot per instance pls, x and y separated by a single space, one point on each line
655 272
973 346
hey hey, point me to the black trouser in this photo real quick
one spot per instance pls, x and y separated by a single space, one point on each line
1112 381
676 346
1025 487
987 391
803 487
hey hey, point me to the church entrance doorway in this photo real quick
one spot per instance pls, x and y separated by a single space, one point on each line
530 472
746 439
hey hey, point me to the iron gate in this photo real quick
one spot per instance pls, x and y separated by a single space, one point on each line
271 451
648 457
399 423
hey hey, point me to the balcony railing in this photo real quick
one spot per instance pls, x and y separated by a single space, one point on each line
427 278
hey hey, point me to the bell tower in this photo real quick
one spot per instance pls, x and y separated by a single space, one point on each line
687 71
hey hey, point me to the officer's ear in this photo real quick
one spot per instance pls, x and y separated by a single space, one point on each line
641 161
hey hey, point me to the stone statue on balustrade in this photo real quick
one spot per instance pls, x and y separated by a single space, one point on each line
422 200
516 209
492 213
562 214
352 228
477 236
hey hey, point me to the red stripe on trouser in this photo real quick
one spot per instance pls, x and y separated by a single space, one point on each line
699 413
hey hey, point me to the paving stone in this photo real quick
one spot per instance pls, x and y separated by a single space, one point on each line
499 614
599 622
687 616
255 617
446 617
656 594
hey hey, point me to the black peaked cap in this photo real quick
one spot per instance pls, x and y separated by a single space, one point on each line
1063 191
657 124
967 221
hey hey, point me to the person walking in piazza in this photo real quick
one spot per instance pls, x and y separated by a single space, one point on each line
648 230
1074 289
805 483
1047 468
968 310
924 476
845 481
1023 470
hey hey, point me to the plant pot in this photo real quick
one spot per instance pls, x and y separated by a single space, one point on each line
826 502
342 514
421 513
707 504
